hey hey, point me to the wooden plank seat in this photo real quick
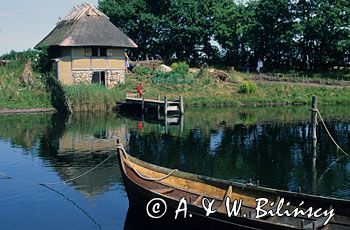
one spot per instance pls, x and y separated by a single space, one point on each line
163 191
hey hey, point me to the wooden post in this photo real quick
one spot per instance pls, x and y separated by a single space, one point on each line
181 125
166 123
165 106
314 140
143 104
181 106
314 118
158 107
118 150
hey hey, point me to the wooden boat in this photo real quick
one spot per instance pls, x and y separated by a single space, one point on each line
144 182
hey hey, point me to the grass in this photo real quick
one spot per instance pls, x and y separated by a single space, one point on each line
204 91
94 97
198 89
15 95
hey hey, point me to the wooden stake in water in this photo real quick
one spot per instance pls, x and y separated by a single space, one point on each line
181 101
165 106
314 118
314 139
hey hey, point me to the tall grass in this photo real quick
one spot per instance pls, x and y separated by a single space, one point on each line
14 94
94 97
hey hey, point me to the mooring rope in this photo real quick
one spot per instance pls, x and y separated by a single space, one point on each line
74 203
121 147
83 174
329 134
5 176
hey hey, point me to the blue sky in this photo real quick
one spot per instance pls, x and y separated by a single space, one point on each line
23 23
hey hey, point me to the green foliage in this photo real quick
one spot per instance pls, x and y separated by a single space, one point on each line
248 87
172 78
95 97
285 34
42 63
203 73
142 71
177 28
17 95
40 59
180 67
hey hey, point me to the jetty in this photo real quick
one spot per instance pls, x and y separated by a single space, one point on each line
168 106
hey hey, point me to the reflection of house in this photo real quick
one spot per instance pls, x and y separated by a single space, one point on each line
87 48
96 182
100 142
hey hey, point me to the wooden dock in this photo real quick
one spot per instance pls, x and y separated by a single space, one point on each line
168 106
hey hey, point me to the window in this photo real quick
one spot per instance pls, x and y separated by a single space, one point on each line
88 52
109 52
96 78
103 52
98 52
94 52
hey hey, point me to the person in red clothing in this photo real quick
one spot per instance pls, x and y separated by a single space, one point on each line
139 89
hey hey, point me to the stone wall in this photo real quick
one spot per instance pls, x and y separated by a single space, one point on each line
82 77
113 77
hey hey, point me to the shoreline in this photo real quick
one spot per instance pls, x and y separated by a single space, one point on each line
6 111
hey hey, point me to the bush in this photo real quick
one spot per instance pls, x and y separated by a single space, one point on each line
203 73
180 67
142 71
173 78
248 87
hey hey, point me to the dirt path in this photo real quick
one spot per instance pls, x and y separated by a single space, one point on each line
307 81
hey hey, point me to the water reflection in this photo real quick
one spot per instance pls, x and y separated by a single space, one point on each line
269 144
77 143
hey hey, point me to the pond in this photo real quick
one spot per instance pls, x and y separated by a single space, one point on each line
270 144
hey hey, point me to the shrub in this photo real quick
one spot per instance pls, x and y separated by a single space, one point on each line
180 67
142 71
173 78
203 73
248 87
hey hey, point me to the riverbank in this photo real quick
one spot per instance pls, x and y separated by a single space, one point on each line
198 88
242 89
21 90
26 111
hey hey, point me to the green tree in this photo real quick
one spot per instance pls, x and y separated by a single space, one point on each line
231 23
323 32
178 29
135 18
302 34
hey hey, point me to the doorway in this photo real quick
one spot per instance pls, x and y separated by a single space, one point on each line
99 78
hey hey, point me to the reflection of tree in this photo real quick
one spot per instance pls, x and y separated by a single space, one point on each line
23 130
50 141
278 154
269 144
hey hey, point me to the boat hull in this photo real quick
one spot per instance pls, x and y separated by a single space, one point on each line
139 198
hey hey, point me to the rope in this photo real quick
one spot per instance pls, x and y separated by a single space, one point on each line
5 176
329 134
74 203
83 174
120 146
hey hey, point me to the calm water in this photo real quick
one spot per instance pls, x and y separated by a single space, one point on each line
269 144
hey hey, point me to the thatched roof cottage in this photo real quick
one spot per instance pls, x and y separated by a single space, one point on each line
87 48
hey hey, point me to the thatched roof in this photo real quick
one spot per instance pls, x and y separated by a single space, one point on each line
86 26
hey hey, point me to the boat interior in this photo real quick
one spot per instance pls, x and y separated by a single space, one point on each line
176 185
